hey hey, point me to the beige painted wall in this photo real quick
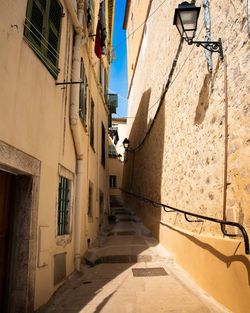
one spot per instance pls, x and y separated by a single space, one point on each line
34 118
135 32
182 161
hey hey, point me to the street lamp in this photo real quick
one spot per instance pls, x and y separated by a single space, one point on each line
119 157
125 144
185 19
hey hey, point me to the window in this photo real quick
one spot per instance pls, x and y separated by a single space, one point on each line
63 206
42 30
103 147
90 11
92 124
103 80
105 86
83 94
90 202
112 181
101 207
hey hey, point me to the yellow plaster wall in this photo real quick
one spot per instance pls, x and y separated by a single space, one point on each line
35 119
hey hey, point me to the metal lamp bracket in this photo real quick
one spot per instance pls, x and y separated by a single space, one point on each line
212 46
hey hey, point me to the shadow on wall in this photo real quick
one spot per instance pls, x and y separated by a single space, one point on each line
203 102
226 259
205 94
144 167
138 129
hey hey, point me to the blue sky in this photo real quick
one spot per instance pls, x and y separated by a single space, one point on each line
118 74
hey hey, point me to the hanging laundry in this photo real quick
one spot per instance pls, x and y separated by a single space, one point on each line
98 47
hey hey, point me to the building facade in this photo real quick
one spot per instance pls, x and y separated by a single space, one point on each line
117 133
189 139
55 59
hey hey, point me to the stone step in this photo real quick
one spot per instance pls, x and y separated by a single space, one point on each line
132 253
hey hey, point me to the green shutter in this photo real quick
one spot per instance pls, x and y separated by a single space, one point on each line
83 93
42 29
55 14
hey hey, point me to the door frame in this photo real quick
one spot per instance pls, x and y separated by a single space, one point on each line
25 207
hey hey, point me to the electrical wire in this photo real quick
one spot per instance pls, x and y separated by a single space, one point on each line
177 74
118 94
132 33
169 83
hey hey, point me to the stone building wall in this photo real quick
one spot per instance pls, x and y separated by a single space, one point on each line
185 150
197 155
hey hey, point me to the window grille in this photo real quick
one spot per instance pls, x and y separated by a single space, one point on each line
42 30
63 206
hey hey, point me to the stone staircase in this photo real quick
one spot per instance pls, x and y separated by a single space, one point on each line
125 240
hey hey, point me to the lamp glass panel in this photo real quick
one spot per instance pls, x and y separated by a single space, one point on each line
190 34
179 25
189 19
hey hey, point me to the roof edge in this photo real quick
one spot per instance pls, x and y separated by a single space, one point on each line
125 21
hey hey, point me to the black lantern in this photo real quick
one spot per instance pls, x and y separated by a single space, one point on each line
125 143
186 19
119 157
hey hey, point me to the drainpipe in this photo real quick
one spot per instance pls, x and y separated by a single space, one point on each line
74 123
73 14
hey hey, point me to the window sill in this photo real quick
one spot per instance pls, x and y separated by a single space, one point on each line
63 240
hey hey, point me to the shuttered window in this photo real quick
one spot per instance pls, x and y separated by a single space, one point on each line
103 146
83 94
90 202
42 30
92 123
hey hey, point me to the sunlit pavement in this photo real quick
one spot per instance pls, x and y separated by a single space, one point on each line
128 271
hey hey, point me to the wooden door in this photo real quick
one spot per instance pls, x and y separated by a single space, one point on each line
5 215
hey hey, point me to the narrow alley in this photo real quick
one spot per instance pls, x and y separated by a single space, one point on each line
124 156
126 270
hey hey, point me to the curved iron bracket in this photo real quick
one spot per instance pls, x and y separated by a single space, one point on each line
212 46
192 221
